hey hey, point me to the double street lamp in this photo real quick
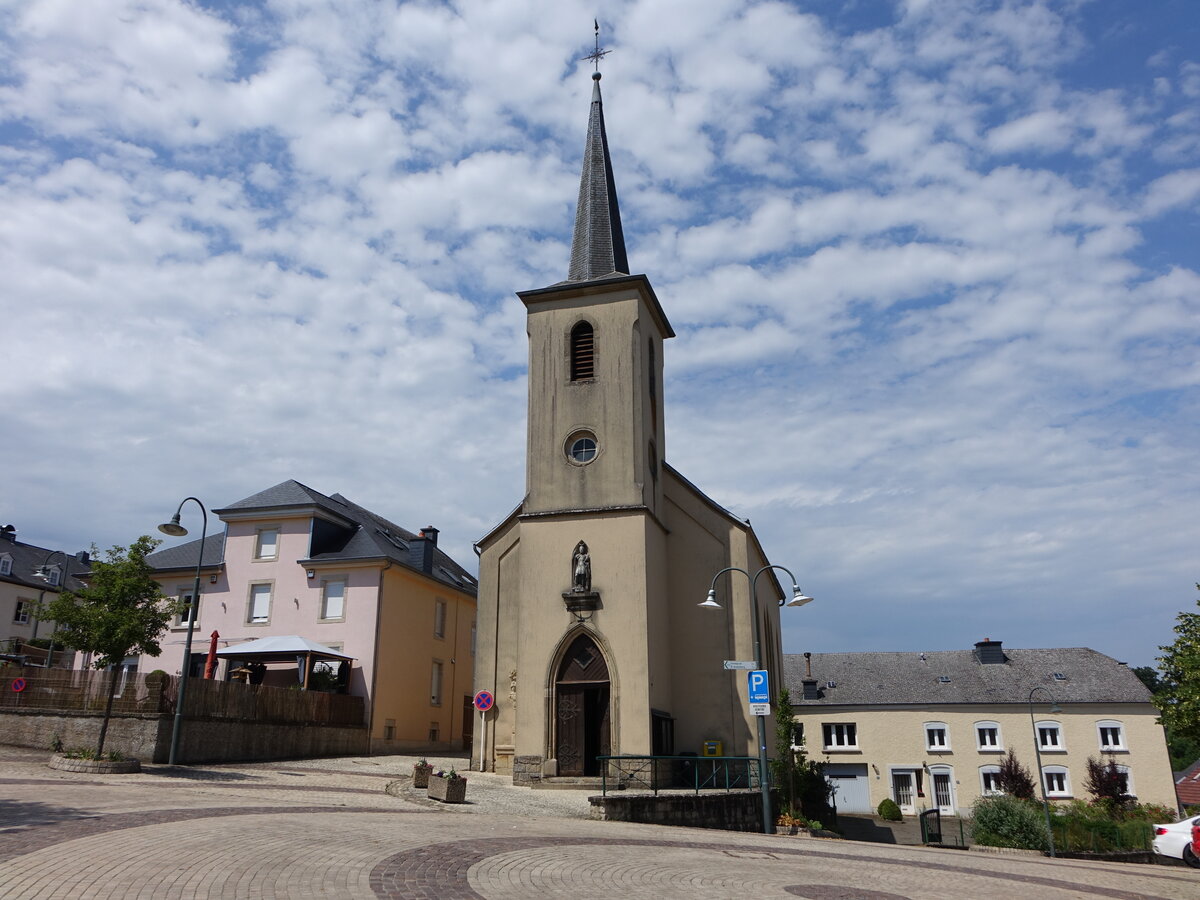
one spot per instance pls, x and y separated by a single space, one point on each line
174 529
1037 749
799 598
43 572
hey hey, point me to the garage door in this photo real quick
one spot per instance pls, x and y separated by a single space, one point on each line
851 790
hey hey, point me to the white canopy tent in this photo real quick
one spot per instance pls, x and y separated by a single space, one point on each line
284 648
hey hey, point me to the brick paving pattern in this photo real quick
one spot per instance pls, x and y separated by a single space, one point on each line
327 828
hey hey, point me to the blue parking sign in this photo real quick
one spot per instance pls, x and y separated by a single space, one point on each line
760 686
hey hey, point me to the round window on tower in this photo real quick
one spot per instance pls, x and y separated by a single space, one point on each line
582 448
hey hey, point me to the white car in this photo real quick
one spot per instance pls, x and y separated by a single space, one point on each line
1176 840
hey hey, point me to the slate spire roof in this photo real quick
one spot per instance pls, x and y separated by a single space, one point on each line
598 244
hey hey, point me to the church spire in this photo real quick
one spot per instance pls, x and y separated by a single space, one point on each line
598 244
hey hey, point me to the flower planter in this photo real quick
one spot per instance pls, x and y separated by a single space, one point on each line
447 790
421 776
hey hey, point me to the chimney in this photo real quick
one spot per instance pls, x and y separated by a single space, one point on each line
427 537
809 683
82 557
9 533
990 652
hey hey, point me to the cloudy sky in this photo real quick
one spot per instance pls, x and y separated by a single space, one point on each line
934 266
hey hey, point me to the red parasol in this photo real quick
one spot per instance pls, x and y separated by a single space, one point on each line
210 664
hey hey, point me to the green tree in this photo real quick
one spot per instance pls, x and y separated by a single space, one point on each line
800 785
1149 677
121 612
1183 750
1179 698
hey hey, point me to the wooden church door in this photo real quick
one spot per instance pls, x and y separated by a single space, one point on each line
581 709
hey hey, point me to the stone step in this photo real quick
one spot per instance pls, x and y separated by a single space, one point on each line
569 783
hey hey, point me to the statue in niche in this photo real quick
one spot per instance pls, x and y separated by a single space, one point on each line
581 570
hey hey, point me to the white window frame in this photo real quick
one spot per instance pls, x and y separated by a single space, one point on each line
1128 773
997 747
984 772
54 576
325 584
1058 773
181 618
5 564
21 612
1059 746
250 595
439 619
258 543
436 679
843 734
932 730
1108 746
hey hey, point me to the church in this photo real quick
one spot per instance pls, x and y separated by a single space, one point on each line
590 633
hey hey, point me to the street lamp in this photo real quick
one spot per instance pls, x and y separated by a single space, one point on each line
43 572
1037 749
799 598
174 529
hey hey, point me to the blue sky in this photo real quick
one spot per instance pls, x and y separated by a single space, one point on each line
933 267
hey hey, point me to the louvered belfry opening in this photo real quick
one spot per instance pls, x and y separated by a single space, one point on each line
583 353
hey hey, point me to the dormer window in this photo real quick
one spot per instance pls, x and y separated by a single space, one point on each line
583 352
5 564
53 576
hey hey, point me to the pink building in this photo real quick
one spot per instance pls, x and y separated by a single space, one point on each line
293 561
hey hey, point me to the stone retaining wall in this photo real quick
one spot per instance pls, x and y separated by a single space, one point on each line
148 737
736 811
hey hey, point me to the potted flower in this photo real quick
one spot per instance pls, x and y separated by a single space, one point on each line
421 773
449 787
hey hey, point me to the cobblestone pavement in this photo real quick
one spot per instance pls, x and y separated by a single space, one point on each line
354 828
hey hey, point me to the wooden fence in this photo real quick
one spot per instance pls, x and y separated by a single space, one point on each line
86 691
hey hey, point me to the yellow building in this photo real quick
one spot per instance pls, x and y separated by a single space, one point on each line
929 729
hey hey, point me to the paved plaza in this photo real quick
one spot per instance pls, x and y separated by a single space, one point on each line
354 828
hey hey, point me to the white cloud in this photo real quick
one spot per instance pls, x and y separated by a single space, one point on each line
937 339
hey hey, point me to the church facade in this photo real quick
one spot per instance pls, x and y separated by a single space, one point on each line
590 634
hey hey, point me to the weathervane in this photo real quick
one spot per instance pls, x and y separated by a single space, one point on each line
596 55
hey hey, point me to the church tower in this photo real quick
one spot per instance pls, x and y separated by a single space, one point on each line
595 362
589 633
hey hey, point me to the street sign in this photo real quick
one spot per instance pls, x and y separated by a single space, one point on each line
760 709
760 686
484 701
747 664
18 684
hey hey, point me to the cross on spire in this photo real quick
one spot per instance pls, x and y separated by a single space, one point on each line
597 54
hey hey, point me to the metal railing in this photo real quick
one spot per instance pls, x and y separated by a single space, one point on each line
681 773
85 690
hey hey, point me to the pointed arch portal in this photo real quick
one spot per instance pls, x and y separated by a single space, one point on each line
581 709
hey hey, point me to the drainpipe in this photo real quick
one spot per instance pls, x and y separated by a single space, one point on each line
375 659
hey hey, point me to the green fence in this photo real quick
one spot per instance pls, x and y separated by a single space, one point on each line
694 773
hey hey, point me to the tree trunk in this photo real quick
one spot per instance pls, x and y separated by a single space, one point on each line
112 683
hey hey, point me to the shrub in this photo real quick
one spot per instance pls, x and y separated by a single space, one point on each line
889 811
1014 779
1106 783
90 753
1006 821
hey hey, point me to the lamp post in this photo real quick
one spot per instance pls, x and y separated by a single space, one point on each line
43 572
1037 749
174 529
799 598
